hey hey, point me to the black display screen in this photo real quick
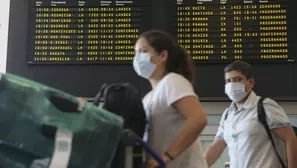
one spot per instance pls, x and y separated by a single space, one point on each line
225 30
85 31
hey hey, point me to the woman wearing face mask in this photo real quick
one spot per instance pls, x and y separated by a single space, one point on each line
175 115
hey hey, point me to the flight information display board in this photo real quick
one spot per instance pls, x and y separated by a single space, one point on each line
224 30
85 31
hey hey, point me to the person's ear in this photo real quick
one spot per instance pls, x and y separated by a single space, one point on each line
164 55
252 83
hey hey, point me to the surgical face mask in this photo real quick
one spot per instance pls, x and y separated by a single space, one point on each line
235 91
142 65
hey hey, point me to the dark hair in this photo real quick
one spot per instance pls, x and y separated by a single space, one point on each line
178 60
241 66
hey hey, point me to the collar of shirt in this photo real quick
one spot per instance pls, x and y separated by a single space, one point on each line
250 102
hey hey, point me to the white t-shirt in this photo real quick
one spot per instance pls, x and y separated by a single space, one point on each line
165 122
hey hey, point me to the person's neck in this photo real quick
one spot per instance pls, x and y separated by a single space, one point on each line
154 83
155 80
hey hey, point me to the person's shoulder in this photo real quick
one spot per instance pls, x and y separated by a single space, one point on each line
271 105
175 86
226 112
269 101
174 76
174 79
266 100
147 97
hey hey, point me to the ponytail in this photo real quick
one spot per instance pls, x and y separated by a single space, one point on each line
180 62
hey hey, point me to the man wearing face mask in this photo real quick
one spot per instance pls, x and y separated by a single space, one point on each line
248 143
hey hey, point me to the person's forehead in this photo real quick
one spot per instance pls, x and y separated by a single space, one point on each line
233 75
141 44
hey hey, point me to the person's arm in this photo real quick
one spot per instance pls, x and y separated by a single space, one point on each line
280 125
214 151
179 94
195 121
288 136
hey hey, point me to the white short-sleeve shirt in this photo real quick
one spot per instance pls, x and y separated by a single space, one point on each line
248 143
165 122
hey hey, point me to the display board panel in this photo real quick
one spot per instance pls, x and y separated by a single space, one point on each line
225 30
85 32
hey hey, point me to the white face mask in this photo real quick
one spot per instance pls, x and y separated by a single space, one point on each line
235 91
142 65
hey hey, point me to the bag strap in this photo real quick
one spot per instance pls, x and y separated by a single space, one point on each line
295 130
262 119
99 95
226 115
